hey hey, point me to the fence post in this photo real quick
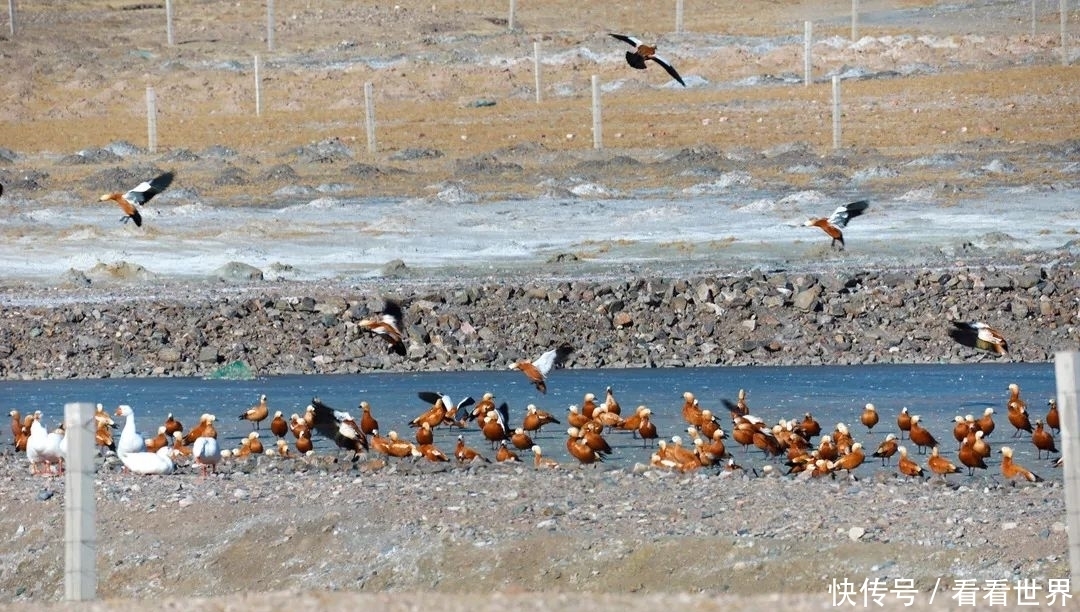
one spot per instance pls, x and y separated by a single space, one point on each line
169 23
808 35
836 111
270 25
510 17
678 16
258 88
854 20
536 68
11 16
1063 10
369 116
1067 374
151 119
597 135
80 537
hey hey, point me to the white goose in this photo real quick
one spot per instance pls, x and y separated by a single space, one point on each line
37 445
56 448
131 441
206 452
159 463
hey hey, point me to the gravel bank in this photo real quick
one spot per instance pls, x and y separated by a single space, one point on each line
779 318
298 526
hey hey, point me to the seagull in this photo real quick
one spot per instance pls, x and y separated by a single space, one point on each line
537 369
140 195
839 220
979 335
642 52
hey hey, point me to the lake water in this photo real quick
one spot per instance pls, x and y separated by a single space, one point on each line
832 394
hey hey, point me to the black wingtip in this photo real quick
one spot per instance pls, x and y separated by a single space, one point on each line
163 180
392 307
429 396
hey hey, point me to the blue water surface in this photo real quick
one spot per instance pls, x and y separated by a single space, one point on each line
831 393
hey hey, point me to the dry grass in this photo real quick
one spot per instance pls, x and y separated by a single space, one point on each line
77 73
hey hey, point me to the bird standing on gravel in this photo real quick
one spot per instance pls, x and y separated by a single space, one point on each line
141 194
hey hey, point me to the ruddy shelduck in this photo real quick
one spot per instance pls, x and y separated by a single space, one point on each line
1014 471
869 417
838 220
903 422
1043 440
643 52
257 413
979 335
142 193
940 465
389 325
887 449
537 370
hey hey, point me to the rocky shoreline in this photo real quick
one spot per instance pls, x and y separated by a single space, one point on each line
754 318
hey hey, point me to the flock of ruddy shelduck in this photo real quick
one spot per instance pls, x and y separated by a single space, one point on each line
798 447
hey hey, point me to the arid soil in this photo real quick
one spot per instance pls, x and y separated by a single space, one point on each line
298 535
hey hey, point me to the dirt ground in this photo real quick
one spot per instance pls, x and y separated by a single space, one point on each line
76 75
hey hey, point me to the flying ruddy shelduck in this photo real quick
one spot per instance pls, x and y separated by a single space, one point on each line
388 324
642 52
537 369
979 335
141 194
838 220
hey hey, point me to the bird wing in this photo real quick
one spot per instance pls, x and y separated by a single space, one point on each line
630 40
326 422
392 313
847 212
670 69
145 190
503 412
430 396
468 401
978 335
544 363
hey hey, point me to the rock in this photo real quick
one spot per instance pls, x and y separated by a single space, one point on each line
622 319
807 300
236 271
855 533
209 354
395 268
